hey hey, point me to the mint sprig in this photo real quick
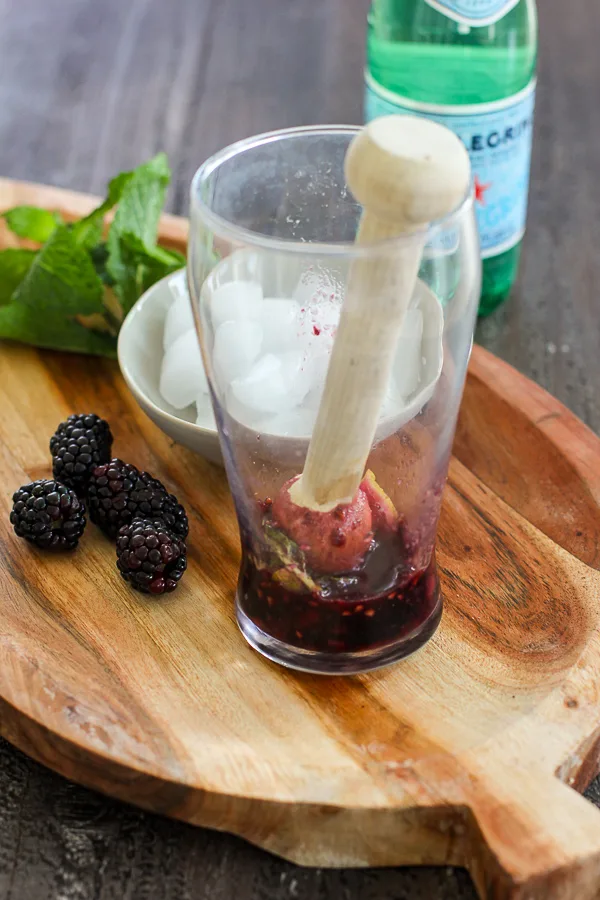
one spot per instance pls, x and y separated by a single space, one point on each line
73 293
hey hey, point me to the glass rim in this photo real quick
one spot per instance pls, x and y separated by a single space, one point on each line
238 233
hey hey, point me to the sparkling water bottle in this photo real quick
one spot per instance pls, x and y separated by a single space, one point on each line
469 64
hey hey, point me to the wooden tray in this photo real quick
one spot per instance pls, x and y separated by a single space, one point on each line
465 754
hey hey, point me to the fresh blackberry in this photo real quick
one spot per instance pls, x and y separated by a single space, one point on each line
77 447
118 492
150 557
48 514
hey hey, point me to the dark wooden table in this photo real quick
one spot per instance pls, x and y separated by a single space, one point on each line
90 87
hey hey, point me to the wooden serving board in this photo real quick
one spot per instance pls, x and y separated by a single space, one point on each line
470 753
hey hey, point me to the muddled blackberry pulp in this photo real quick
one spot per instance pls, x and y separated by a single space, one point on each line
384 600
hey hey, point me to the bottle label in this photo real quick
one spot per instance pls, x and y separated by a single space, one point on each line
473 12
498 138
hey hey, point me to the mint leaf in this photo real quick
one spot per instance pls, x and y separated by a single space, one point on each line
157 256
139 270
132 257
53 330
141 202
88 231
61 279
14 265
115 191
31 222
99 257
291 559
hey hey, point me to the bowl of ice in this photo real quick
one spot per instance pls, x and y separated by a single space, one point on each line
270 356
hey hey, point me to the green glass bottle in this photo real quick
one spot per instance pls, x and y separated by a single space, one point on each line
469 64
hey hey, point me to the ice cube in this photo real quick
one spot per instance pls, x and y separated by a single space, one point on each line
328 312
298 374
235 301
297 422
313 399
313 373
205 416
280 321
319 367
317 327
243 414
266 387
179 318
182 375
407 363
237 345
315 286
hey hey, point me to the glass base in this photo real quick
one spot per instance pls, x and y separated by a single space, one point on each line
319 663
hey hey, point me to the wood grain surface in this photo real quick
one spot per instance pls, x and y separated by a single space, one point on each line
466 754
89 88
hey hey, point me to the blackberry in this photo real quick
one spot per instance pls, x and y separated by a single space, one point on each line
118 493
48 514
77 447
150 557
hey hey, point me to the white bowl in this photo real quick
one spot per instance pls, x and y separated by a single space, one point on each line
140 352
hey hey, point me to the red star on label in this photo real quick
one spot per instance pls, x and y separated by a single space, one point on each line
480 190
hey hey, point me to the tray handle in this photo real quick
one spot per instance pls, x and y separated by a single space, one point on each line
538 840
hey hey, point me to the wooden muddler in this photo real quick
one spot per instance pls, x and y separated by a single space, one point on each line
406 172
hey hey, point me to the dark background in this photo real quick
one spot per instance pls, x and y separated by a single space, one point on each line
91 87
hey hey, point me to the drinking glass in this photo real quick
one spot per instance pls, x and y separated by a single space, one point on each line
271 247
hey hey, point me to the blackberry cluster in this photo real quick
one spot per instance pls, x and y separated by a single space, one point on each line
149 557
77 447
118 493
48 514
149 524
